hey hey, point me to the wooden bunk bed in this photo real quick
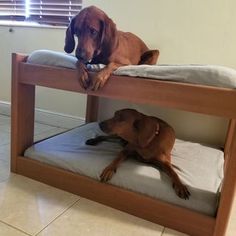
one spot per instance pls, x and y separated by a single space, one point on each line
195 98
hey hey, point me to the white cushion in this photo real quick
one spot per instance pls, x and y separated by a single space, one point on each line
201 167
212 75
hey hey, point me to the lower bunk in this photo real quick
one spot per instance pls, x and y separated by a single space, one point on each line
65 161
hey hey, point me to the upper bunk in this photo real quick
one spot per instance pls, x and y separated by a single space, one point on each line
200 98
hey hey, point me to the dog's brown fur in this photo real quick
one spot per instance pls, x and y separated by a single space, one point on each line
148 138
100 42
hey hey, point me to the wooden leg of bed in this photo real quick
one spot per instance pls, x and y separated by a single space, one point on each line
22 113
229 140
229 185
92 108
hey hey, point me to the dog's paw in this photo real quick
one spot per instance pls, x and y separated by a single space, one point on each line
91 142
181 191
107 174
83 79
98 80
82 75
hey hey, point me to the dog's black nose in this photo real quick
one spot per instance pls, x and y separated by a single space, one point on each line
103 126
81 55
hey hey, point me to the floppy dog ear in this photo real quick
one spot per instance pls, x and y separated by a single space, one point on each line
147 129
69 40
109 33
149 57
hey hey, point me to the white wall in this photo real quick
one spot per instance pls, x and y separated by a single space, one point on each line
184 31
25 40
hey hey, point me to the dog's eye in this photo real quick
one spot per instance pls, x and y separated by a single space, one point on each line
93 32
119 118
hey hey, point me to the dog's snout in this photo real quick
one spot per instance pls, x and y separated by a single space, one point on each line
81 54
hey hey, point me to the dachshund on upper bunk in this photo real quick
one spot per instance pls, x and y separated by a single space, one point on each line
99 42
147 138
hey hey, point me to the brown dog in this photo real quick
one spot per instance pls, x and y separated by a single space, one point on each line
148 138
99 42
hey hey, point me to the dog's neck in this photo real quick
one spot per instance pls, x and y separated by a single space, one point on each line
133 140
155 134
157 130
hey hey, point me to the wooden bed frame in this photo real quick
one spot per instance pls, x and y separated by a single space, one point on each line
195 98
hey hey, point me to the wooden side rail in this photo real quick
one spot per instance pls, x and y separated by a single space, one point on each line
189 97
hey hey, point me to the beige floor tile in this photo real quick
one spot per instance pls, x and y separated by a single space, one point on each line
4 171
4 138
87 218
29 205
6 230
5 120
5 128
171 232
4 162
5 153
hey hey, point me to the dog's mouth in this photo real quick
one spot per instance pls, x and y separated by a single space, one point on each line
83 60
86 57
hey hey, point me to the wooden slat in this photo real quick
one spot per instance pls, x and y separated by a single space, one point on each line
168 215
189 97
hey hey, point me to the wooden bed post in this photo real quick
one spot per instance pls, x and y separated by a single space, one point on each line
22 112
92 108
229 139
229 183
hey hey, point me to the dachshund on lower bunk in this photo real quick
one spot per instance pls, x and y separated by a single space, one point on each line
146 138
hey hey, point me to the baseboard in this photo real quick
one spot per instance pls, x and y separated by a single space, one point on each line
5 108
47 117
57 119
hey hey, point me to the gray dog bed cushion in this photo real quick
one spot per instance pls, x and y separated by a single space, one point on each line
201 167
212 75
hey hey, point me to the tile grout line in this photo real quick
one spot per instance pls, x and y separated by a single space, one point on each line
11 226
48 131
163 231
58 216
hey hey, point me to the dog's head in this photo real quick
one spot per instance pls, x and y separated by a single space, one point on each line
133 126
95 32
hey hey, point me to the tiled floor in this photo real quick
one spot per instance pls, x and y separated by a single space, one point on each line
28 207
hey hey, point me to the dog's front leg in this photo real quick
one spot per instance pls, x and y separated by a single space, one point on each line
110 170
180 189
82 74
99 79
97 140
109 138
